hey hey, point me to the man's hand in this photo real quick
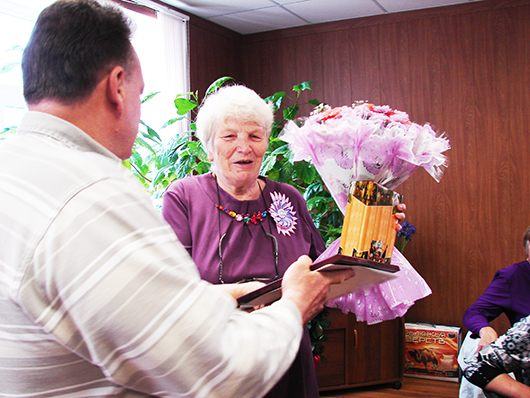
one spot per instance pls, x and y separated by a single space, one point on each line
309 289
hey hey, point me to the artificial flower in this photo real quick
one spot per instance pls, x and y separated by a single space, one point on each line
365 142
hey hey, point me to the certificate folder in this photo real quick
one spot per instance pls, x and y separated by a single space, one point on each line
368 273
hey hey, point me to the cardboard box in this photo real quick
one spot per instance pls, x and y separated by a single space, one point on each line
369 226
431 351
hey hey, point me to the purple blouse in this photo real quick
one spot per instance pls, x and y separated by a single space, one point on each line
509 292
247 251
189 206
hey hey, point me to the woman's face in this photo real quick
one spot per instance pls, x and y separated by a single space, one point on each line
238 149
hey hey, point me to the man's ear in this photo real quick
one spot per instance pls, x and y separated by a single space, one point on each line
115 87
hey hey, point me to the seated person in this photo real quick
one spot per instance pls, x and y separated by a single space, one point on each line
508 293
489 368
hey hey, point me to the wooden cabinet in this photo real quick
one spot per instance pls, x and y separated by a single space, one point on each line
359 354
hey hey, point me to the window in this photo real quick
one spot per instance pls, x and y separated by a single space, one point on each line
162 46
160 41
16 22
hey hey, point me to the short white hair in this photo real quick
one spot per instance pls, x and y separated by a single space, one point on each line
236 101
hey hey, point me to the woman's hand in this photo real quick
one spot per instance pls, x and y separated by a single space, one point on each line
239 289
487 336
400 215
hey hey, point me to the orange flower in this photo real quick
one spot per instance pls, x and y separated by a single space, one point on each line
331 113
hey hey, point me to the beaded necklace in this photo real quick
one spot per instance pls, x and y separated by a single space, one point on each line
246 218
257 216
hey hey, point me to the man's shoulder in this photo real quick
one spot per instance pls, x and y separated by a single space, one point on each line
189 184
42 161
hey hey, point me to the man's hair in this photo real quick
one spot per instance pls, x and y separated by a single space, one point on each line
73 45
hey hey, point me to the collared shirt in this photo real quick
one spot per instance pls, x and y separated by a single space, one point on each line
97 296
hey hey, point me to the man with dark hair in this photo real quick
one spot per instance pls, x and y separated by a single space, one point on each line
65 62
97 296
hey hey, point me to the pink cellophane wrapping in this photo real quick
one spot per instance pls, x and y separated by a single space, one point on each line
365 142
386 301
374 143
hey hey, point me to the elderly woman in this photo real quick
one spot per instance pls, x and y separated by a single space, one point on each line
237 225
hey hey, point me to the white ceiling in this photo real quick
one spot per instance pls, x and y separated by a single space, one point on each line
253 16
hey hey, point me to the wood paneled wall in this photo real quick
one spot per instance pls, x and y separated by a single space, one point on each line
466 70
214 52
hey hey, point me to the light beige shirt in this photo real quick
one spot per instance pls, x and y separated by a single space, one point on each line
97 296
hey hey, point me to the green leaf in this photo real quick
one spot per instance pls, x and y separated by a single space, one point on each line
149 96
135 158
326 323
9 66
314 102
6 132
302 86
286 171
276 129
274 175
218 83
290 112
185 105
144 144
159 176
276 100
282 149
305 171
172 121
267 165
144 169
151 133
203 167
313 189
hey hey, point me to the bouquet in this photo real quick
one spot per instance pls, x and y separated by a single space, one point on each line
365 142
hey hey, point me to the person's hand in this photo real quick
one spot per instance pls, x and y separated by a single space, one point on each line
239 289
400 215
309 289
487 336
